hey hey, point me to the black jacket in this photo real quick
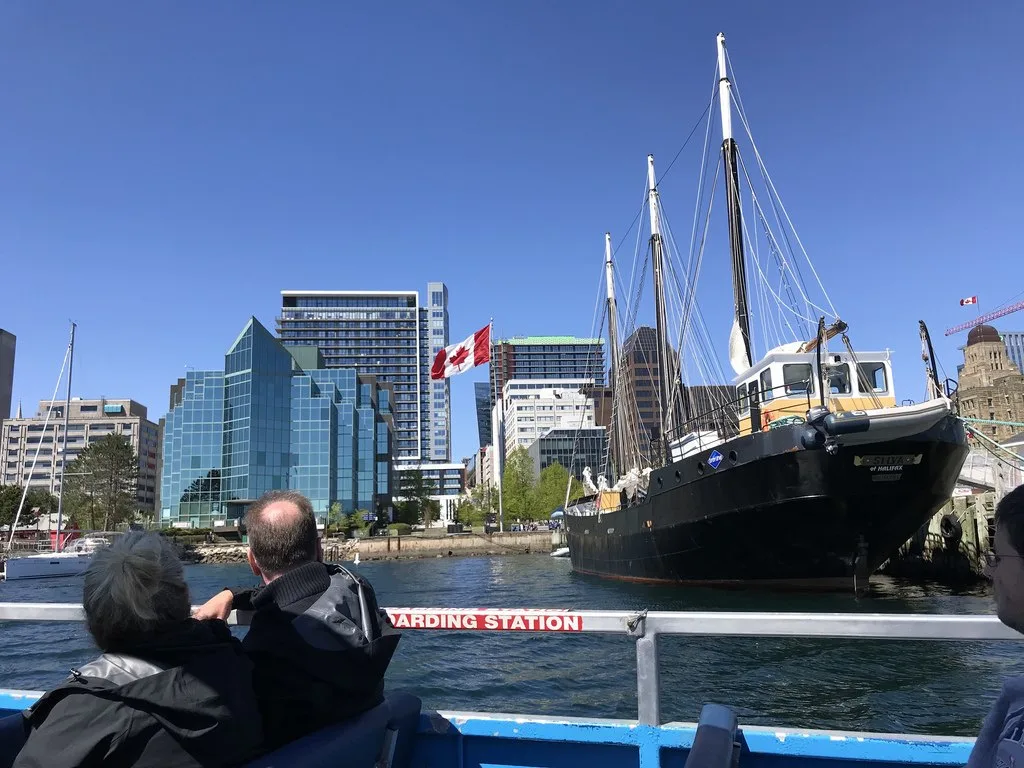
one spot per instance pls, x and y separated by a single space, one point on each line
182 700
313 663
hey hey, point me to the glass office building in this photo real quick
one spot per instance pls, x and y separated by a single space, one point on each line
390 335
274 418
574 449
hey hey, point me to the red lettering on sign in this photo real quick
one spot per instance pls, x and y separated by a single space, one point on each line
485 620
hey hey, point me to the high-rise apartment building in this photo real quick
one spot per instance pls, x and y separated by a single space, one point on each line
392 336
88 421
7 345
540 357
275 418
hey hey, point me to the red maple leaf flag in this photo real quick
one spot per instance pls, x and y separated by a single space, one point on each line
968 300
461 357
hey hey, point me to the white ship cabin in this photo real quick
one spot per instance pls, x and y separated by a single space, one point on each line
784 382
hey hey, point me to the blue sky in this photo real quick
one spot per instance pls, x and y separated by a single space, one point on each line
167 169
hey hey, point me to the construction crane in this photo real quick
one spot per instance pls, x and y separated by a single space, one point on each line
986 318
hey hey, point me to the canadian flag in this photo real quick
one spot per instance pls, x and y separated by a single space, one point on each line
968 300
459 358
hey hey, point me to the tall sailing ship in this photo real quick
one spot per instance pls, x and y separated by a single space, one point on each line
811 476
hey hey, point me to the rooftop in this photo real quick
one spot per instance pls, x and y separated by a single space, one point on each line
539 340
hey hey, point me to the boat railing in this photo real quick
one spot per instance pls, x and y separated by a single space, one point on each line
736 407
645 627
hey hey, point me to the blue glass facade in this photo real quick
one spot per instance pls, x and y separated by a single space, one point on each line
265 423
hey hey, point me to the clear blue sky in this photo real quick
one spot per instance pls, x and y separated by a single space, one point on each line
166 169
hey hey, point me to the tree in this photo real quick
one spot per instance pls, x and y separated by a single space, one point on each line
468 512
518 486
554 480
417 506
38 501
336 518
101 484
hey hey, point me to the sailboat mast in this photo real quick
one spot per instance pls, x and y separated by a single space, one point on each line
660 312
64 441
739 340
618 462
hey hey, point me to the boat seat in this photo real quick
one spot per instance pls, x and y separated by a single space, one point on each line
714 744
382 736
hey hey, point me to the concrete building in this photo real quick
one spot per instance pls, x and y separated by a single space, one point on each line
88 421
543 357
275 418
8 341
991 387
533 407
392 336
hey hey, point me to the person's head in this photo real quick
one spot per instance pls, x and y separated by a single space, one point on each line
1006 562
282 534
134 590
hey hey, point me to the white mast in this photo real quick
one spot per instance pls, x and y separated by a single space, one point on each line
740 348
724 90
661 315
64 442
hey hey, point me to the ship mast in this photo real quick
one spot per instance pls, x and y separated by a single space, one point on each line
739 338
661 315
64 441
618 462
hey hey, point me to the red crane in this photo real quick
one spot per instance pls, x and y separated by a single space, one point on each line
986 318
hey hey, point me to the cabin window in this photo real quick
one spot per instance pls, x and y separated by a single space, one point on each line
837 378
766 385
797 378
741 394
872 377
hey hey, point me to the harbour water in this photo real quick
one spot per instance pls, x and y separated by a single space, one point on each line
916 687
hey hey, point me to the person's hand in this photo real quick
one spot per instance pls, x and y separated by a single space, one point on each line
217 607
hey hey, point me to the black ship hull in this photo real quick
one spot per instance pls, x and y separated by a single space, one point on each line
774 513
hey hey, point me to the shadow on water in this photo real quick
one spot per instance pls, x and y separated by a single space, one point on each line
922 687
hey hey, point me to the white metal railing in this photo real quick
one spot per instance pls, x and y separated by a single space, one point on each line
644 626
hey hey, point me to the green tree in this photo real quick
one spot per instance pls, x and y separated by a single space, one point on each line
518 486
554 480
38 501
468 512
336 518
101 484
416 506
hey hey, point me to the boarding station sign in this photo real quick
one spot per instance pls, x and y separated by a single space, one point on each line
487 620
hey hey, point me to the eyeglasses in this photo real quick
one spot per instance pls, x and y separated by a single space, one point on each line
992 559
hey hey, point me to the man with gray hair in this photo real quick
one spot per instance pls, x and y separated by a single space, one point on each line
318 641
168 690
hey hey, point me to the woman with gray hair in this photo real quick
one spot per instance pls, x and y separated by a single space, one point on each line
168 690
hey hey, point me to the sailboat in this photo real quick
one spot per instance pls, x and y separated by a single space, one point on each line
811 477
60 562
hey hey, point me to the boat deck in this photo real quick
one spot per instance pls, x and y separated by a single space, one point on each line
474 739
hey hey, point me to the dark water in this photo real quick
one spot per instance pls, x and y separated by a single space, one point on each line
918 687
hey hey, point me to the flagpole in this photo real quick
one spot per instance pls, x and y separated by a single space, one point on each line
499 439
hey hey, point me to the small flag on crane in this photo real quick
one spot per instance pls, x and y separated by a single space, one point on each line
969 300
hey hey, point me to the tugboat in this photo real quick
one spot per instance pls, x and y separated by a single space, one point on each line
813 478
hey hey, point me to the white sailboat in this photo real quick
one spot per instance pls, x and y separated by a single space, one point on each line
59 562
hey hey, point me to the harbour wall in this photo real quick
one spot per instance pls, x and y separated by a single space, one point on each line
400 547
951 546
